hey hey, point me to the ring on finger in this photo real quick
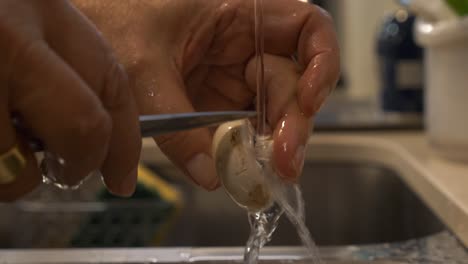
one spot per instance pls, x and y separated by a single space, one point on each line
12 164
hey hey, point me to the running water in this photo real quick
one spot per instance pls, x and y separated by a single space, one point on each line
262 124
288 200
287 197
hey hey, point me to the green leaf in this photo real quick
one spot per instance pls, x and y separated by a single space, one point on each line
459 6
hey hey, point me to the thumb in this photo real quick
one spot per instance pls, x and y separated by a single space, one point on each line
190 150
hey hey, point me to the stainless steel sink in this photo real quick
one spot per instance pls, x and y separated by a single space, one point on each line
358 212
437 249
163 257
346 203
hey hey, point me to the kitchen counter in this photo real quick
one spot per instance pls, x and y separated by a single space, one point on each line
441 183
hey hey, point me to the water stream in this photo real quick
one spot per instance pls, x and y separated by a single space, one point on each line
287 197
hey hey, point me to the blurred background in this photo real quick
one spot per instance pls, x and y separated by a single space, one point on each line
381 88
381 84
358 24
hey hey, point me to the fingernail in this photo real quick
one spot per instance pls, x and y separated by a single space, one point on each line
298 161
128 184
201 169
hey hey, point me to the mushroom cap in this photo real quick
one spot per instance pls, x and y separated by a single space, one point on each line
236 164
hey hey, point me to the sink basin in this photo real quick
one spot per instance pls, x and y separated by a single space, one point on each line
359 210
346 203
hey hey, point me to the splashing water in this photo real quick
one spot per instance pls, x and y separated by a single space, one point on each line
287 197
53 169
263 225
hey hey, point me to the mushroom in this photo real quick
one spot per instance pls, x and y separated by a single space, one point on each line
236 163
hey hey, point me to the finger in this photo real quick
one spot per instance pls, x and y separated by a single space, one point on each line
290 142
189 150
293 26
291 126
60 109
98 67
217 88
318 50
280 81
27 177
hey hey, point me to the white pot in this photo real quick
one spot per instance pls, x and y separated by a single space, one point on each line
446 83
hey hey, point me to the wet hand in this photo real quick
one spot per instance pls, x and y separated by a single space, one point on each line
62 78
197 55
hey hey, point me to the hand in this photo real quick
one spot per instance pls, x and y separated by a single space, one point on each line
197 55
62 78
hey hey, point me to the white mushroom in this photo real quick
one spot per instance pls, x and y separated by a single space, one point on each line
241 175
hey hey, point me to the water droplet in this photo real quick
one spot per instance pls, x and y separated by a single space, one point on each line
225 5
61 161
285 147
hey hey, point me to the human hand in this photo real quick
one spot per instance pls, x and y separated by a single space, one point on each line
62 78
197 55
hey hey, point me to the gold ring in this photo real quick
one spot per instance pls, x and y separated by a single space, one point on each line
12 163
